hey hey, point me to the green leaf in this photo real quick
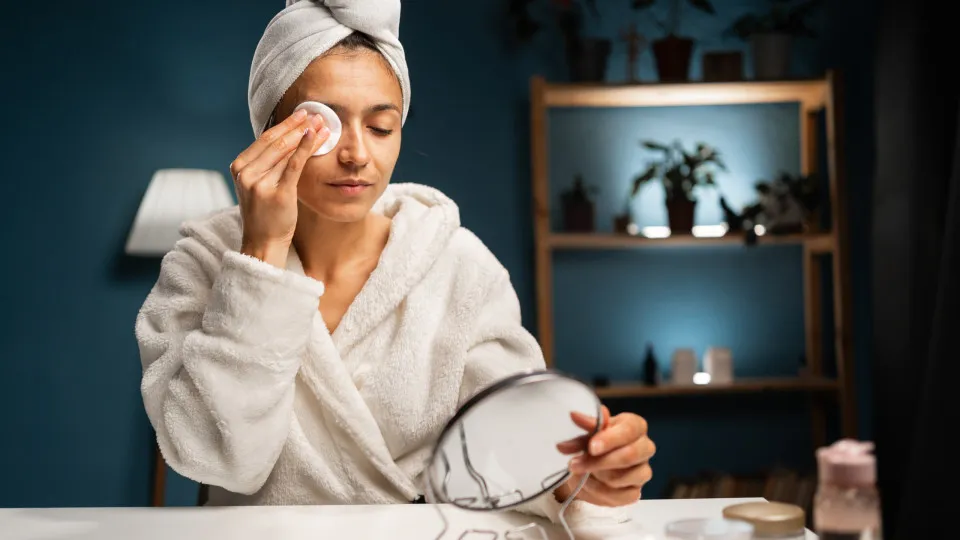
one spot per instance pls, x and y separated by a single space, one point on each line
703 5
639 181
655 146
745 26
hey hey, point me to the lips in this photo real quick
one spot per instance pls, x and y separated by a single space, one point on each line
351 183
350 186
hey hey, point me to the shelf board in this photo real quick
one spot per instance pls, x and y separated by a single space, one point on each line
739 386
812 93
817 242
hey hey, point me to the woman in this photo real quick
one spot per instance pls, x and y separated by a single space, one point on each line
306 346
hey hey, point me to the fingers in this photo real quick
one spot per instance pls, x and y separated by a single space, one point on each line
266 138
589 423
273 146
574 446
624 430
308 145
627 456
599 493
285 144
635 476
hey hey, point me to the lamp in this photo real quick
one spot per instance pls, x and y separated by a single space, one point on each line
172 197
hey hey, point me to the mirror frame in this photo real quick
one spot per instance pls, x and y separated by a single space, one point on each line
518 379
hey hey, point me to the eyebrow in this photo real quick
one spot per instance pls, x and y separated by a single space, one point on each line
380 107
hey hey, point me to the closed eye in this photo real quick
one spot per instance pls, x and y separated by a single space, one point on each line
381 131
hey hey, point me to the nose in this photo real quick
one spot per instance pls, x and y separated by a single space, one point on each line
352 149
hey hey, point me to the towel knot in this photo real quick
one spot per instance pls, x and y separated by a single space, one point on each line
367 16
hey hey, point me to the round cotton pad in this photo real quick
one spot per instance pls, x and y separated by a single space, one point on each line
330 119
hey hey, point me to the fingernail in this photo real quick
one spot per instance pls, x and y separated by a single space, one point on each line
576 464
324 131
596 447
317 120
300 114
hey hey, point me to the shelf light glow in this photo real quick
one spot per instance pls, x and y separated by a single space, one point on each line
701 377
699 231
710 231
657 231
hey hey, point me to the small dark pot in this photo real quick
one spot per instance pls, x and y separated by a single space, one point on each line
621 223
722 66
578 216
680 213
673 58
771 56
587 59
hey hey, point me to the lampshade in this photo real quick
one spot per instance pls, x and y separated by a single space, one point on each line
172 197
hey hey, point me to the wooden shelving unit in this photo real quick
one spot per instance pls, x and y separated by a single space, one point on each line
557 241
813 96
739 386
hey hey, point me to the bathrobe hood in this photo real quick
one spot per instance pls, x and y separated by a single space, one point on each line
424 222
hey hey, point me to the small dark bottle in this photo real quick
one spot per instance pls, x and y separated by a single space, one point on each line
651 371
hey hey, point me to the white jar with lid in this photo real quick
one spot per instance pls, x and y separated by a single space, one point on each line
709 529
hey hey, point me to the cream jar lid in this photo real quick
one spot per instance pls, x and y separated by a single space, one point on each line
769 518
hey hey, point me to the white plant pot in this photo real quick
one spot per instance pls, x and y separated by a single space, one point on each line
771 56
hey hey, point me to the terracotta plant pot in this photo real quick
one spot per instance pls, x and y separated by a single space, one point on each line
673 54
680 213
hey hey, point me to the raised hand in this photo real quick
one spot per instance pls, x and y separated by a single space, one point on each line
266 175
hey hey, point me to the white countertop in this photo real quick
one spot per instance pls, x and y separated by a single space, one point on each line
394 522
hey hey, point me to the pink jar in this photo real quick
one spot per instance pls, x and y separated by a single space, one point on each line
847 503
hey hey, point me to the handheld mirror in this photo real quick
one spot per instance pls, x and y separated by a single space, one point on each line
500 449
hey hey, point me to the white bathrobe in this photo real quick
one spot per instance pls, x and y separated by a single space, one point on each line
250 394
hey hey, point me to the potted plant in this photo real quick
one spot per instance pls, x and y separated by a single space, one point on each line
789 204
771 35
680 172
586 56
673 51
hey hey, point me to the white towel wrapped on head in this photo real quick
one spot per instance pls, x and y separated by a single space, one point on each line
305 30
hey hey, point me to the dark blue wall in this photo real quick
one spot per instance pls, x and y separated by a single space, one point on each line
98 96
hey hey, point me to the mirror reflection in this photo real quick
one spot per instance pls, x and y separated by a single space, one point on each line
501 449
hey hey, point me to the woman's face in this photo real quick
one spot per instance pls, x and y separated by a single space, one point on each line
361 88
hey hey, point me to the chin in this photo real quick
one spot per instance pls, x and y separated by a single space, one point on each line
351 210
339 212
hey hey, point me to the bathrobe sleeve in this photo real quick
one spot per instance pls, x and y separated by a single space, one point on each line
502 348
220 342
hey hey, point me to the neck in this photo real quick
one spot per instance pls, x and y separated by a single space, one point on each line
328 248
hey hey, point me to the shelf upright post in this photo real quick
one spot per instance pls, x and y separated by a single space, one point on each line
541 216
